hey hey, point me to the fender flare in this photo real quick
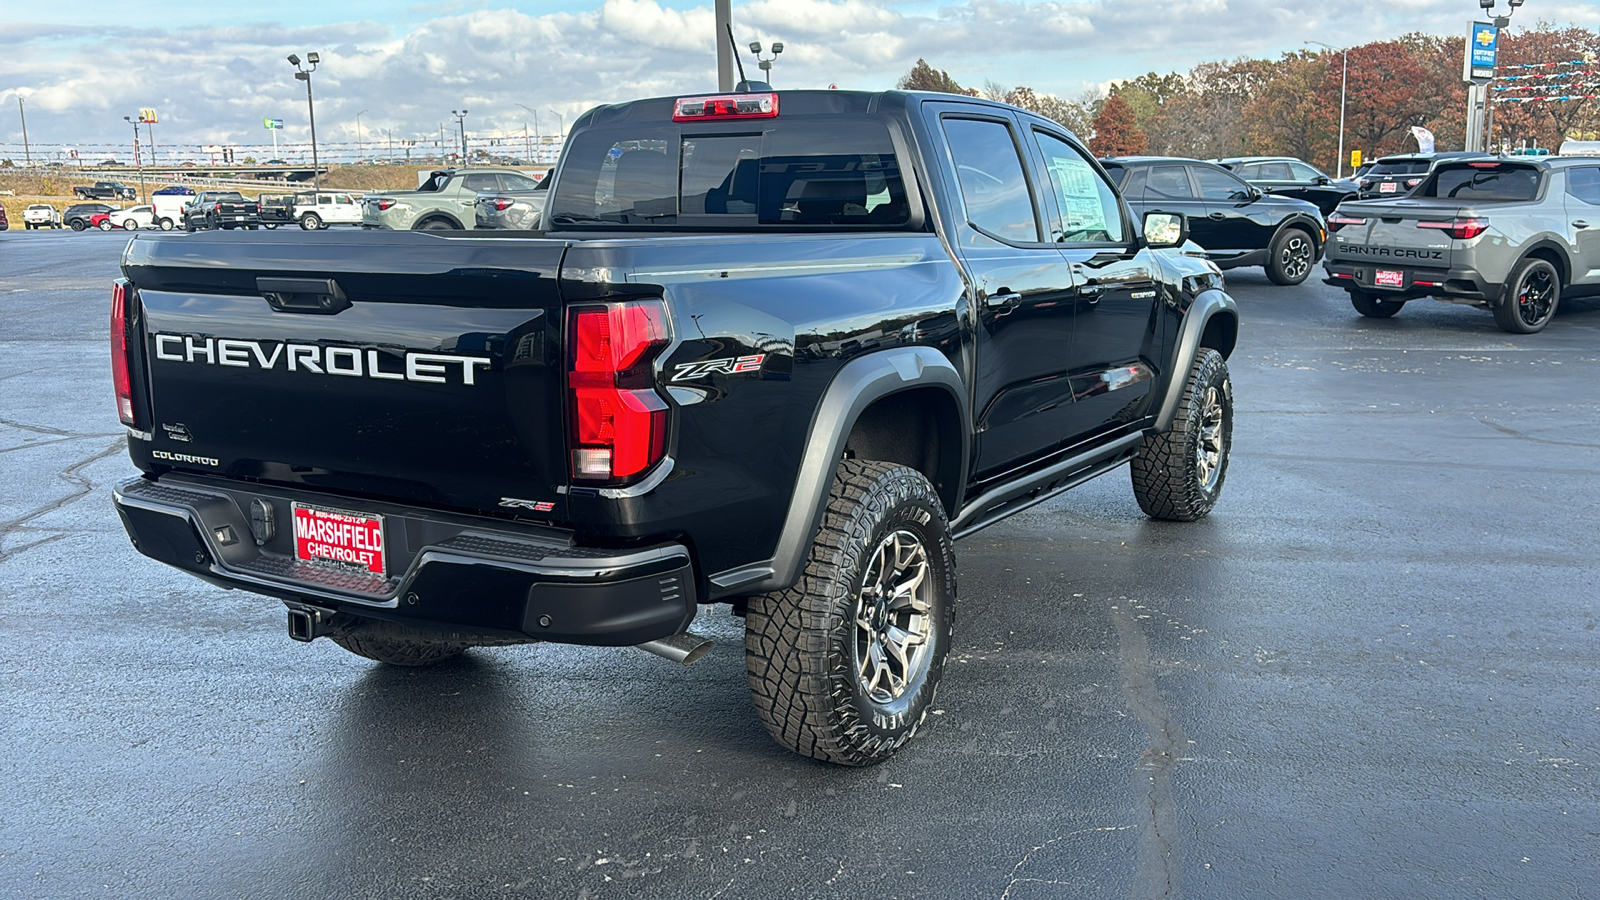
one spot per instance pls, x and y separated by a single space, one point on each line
1207 306
856 386
1317 230
1547 243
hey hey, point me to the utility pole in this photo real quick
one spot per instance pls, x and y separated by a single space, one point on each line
461 120
360 149
138 163
27 155
724 20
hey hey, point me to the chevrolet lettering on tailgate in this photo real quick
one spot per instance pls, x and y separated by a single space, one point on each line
319 360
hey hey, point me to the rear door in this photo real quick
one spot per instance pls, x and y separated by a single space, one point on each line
393 365
1022 395
1167 189
1583 221
1230 211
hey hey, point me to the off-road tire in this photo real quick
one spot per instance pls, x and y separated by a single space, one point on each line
1290 256
1530 297
1178 474
807 648
310 222
1374 307
393 643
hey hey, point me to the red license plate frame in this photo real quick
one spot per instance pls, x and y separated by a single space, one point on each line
1389 278
339 537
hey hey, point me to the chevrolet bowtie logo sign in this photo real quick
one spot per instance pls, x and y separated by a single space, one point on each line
1485 38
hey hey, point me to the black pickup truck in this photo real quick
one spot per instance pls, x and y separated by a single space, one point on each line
104 190
778 358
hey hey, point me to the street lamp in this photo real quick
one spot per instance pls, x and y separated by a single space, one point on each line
535 158
561 132
360 150
1344 71
766 64
304 74
461 121
137 162
1501 23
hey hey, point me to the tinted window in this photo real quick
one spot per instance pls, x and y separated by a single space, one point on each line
1133 181
1273 171
517 182
1247 170
1303 172
481 181
1089 209
992 181
1483 182
1168 183
1584 183
789 172
1399 167
1216 184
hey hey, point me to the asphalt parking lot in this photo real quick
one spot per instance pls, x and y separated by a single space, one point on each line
1370 673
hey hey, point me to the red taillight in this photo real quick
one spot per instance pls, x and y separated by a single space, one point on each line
1461 229
121 377
1337 221
725 106
619 423
384 204
501 203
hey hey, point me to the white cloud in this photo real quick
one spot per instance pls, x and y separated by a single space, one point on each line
214 85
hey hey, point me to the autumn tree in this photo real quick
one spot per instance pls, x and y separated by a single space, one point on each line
1115 131
1384 97
1548 121
1297 116
924 77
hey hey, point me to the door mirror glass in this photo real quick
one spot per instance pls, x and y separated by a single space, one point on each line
1163 229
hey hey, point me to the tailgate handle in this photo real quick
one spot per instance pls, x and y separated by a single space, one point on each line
321 296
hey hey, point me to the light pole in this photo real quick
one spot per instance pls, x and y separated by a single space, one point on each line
536 137
461 122
361 151
27 155
137 162
1344 72
766 63
561 132
304 74
1501 23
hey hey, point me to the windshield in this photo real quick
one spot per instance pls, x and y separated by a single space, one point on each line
769 173
1480 181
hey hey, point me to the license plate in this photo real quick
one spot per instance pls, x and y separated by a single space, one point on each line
1388 187
338 536
1389 278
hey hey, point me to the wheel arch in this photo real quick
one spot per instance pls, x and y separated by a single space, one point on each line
437 214
1211 321
1310 226
1553 253
868 398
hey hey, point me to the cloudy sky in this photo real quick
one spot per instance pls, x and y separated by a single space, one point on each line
213 70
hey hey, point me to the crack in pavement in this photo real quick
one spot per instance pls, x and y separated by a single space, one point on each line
1158 863
1011 878
70 474
1512 432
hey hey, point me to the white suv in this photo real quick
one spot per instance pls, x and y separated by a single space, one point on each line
319 209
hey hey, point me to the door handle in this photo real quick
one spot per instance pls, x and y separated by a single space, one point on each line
1579 223
1002 301
1217 216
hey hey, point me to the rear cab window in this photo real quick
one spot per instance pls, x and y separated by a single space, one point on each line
783 172
1399 167
1482 181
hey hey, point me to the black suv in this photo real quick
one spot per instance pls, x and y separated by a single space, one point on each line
78 214
1236 223
1287 176
1395 176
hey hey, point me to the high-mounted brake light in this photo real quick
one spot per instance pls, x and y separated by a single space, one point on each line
618 422
121 376
725 106
1337 221
1461 229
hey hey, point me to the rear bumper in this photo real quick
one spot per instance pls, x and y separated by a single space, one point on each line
1415 281
465 574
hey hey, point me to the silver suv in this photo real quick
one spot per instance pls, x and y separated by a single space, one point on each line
1504 234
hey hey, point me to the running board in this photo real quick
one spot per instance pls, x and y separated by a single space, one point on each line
996 504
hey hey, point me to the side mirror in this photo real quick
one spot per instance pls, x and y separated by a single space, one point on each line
1323 179
1162 229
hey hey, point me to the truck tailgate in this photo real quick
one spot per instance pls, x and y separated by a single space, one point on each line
399 366
1390 233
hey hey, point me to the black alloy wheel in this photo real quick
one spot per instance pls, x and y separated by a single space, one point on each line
1530 297
1290 257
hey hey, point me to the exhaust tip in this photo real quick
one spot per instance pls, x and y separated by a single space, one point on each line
683 647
